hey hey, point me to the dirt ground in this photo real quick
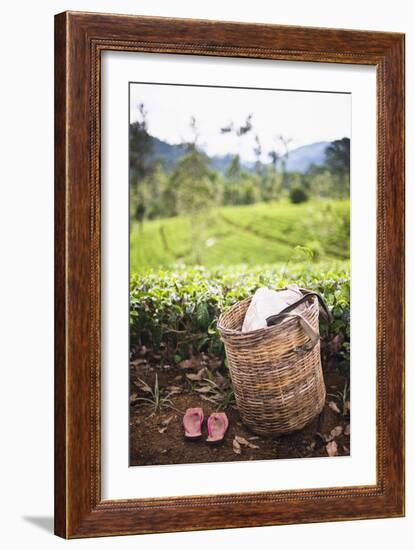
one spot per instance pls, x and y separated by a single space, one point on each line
161 393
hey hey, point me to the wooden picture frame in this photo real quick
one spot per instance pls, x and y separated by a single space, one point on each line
79 40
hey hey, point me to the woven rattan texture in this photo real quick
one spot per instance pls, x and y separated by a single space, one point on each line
278 390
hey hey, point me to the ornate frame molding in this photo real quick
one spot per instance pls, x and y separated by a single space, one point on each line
79 40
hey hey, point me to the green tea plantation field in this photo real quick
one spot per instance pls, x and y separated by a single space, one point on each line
262 233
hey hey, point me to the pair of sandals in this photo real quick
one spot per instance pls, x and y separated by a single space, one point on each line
217 425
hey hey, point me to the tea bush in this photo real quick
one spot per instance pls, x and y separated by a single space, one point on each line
176 310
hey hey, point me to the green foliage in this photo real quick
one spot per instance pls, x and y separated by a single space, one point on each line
194 196
140 147
177 310
338 156
271 185
154 395
202 316
338 163
328 228
261 233
190 183
233 172
320 182
298 195
194 191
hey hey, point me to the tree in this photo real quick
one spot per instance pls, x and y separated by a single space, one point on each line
249 189
192 183
258 153
140 147
233 171
236 191
233 174
298 194
338 162
284 143
140 163
194 191
320 181
271 184
274 156
245 128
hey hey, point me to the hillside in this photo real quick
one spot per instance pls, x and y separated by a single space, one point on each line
299 160
262 233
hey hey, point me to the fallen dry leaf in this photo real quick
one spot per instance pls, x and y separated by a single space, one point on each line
221 381
133 397
143 350
336 343
215 363
331 448
142 385
334 407
167 421
137 362
347 430
186 364
210 399
174 390
236 447
335 432
203 389
164 424
243 441
198 376
192 377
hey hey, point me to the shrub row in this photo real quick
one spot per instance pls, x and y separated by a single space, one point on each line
176 311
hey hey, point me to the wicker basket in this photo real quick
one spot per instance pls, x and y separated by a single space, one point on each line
276 371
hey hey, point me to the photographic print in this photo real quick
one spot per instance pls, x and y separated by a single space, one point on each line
239 274
204 245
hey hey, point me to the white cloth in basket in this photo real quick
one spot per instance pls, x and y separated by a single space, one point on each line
266 302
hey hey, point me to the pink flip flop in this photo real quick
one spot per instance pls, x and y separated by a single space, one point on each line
192 423
217 426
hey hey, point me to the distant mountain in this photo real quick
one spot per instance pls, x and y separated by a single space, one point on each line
299 160
221 163
170 154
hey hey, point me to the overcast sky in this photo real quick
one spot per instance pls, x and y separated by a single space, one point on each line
303 117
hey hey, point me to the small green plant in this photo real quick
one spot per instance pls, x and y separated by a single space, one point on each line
222 396
155 395
302 253
344 398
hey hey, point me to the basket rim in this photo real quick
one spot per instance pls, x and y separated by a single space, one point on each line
256 332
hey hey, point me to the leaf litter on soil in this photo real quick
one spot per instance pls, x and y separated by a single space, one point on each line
154 442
